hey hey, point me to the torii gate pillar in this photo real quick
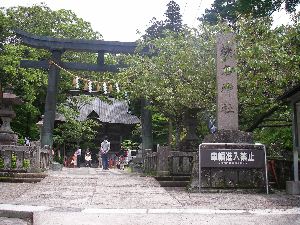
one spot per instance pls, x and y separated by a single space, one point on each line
51 99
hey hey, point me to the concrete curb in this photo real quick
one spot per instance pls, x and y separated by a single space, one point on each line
20 211
27 211
292 211
16 214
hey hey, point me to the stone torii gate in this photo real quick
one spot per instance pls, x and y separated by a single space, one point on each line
57 47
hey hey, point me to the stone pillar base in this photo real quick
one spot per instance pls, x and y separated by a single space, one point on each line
34 170
56 166
293 187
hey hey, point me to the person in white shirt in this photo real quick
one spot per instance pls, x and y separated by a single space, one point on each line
104 149
78 154
27 141
88 158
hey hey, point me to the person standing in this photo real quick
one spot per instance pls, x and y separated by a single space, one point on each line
27 141
99 160
104 149
73 162
78 154
88 158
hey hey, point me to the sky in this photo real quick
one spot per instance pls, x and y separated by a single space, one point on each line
119 20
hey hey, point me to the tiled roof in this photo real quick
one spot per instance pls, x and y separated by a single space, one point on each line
115 111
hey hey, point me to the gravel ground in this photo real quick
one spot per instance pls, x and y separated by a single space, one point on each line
278 200
71 191
94 188
12 191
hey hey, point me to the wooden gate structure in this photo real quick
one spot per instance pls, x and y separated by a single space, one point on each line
57 47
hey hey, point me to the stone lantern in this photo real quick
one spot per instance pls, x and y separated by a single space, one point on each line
7 135
40 126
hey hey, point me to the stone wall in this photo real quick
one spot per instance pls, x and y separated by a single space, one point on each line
166 162
25 158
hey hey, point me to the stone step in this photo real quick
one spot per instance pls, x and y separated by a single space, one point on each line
20 180
11 177
173 178
23 175
13 171
181 174
174 183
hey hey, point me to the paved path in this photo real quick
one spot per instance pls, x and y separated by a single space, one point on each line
92 196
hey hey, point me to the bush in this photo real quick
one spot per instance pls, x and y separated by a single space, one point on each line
26 163
13 161
1 163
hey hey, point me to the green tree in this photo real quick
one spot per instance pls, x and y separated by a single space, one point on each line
230 10
74 132
187 80
155 30
268 64
31 84
173 22
158 29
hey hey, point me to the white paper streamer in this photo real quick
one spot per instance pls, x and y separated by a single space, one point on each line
117 87
77 82
105 88
90 86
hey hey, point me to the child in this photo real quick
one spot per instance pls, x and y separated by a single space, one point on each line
74 161
122 162
88 158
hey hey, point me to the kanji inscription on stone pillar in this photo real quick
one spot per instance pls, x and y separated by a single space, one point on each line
227 100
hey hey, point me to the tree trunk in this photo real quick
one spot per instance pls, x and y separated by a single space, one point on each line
170 134
177 135
261 118
190 121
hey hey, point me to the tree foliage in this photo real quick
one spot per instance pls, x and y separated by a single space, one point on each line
31 84
180 69
173 22
181 74
268 65
158 29
178 73
74 132
230 10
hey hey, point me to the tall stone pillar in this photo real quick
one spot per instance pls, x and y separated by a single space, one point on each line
227 100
